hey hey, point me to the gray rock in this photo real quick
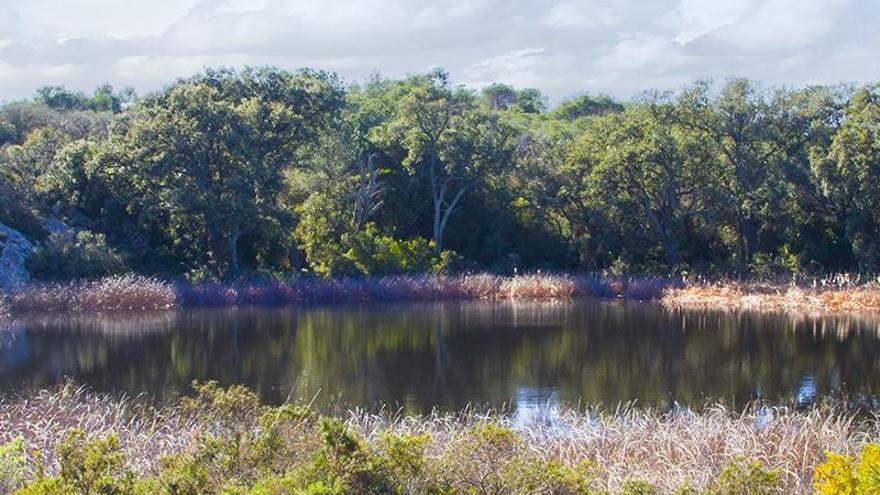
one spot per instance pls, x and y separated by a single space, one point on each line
14 251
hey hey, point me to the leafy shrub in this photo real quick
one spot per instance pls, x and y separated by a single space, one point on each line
94 466
88 466
14 468
372 253
741 476
847 475
233 404
639 487
86 255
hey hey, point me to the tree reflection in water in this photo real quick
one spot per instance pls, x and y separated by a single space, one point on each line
448 355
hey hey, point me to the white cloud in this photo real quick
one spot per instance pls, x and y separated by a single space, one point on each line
581 14
564 47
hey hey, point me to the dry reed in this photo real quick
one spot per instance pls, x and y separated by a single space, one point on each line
665 448
834 294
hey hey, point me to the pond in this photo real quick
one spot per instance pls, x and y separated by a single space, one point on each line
449 355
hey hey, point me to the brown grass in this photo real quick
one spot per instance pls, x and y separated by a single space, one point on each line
132 292
822 296
667 449
127 292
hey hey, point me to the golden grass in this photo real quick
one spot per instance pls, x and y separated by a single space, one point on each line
775 297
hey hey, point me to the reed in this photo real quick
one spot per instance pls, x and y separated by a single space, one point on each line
126 292
668 449
840 293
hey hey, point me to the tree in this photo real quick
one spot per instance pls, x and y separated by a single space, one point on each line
641 155
206 157
586 106
751 136
447 139
849 173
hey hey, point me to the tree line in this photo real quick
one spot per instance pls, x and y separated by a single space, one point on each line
268 171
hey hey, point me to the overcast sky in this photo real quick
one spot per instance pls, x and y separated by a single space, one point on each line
563 47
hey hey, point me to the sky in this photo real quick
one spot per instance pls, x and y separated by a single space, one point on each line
562 47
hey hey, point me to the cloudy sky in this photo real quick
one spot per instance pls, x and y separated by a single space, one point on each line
563 47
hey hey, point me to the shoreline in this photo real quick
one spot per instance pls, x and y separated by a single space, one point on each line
838 295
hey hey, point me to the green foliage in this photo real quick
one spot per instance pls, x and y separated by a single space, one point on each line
847 475
87 466
372 253
267 171
742 476
14 466
228 404
67 256
638 487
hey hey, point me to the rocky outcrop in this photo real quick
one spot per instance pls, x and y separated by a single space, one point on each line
14 251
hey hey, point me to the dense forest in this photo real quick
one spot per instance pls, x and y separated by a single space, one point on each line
263 171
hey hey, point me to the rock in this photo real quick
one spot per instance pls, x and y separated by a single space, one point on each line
14 251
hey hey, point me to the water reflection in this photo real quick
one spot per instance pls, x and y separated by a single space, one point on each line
448 355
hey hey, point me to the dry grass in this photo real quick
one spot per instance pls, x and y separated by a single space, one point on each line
128 292
666 449
836 294
841 293
479 286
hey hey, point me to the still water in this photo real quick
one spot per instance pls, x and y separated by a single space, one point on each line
448 355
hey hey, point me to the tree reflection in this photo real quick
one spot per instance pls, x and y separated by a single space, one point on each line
448 355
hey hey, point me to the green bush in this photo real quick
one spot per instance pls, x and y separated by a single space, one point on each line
85 256
372 253
741 476
14 469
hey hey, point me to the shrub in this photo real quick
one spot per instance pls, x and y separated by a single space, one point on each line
639 487
847 475
741 476
85 255
13 465
233 404
94 466
375 254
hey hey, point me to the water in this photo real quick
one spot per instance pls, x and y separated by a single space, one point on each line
532 357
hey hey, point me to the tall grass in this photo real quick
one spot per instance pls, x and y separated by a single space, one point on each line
666 449
842 293
420 288
839 293
127 292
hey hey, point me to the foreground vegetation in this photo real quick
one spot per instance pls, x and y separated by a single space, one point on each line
266 171
224 440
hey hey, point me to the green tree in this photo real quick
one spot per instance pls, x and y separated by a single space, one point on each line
447 139
206 157
849 174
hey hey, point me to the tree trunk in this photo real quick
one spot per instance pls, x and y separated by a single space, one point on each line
667 240
749 237
233 254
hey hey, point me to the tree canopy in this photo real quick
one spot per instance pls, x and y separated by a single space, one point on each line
268 171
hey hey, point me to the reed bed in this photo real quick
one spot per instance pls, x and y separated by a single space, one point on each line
479 286
127 292
835 294
666 449
841 293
